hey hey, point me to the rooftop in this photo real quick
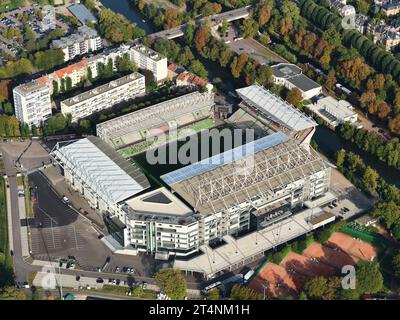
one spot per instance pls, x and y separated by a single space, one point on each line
257 168
102 89
104 171
235 251
84 32
148 52
341 106
30 87
155 115
294 75
82 13
275 108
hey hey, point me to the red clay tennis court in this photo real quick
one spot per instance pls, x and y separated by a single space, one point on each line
277 281
310 267
329 256
354 247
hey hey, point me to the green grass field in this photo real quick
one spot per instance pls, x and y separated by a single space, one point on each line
6 266
7 5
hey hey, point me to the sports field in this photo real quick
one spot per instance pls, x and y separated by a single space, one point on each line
329 256
353 247
289 277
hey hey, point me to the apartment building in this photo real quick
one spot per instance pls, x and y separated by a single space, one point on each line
104 96
84 41
149 59
32 103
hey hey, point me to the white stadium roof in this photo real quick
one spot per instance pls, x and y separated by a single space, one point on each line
102 169
275 108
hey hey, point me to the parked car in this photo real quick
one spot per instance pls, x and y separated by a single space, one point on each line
99 280
65 200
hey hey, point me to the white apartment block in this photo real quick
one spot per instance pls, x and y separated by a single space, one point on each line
104 96
32 103
149 59
85 41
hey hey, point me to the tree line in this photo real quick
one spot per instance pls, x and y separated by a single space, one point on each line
373 143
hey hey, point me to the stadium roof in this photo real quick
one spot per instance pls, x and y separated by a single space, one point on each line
275 108
154 115
102 169
224 158
82 13
275 163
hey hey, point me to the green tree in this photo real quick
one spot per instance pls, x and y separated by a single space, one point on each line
198 68
369 277
249 28
244 293
340 157
172 282
68 84
55 88
370 178
213 294
396 265
294 97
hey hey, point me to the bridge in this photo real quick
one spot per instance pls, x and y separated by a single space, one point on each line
216 19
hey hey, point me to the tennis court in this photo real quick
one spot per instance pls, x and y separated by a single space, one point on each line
277 281
309 267
329 256
354 247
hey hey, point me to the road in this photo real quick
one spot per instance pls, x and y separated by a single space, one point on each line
231 15
21 266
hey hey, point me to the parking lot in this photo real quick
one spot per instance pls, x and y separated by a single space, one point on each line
59 232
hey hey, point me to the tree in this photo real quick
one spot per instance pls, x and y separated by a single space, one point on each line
201 38
238 64
294 97
264 14
213 294
331 79
68 84
172 282
396 265
171 18
340 157
12 293
315 287
249 28
55 88
388 212
322 288
370 178
369 277
244 293
197 67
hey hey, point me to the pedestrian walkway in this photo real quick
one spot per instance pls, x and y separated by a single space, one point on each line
24 227
9 220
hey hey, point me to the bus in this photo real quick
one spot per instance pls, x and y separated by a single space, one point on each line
211 286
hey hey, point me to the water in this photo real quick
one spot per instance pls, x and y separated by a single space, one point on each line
125 8
329 142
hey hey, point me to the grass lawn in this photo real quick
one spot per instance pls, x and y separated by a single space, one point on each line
28 203
7 5
6 265
20 180
264 51
122 291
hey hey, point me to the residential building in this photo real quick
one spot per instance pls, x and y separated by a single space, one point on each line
291 76
391 8
190 79
76 72
149 59
32 103
104 96
85 41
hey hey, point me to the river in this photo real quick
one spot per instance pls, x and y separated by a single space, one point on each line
328 141
125 8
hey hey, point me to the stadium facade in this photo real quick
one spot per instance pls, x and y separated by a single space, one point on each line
270 188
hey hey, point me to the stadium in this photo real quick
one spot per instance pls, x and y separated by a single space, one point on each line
223 211
140 130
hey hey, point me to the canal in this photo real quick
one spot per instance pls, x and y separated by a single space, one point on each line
328 141
127 9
